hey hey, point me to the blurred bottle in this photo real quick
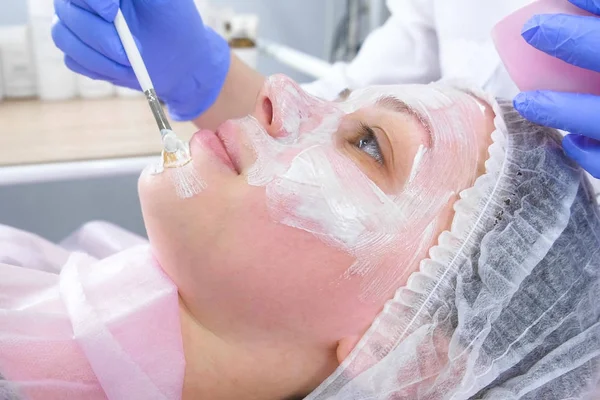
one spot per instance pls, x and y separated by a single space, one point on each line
18 72
54 80
532 69
220 20
243 37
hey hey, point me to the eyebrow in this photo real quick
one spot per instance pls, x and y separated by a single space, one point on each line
394 104
397 105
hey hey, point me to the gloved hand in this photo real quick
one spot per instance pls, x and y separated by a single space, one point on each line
576 40
187 61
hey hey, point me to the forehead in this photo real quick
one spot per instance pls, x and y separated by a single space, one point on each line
432 96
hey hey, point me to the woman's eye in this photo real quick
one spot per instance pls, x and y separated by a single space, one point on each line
367 142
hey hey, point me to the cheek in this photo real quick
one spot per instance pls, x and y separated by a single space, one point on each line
242 271
155 201
182 230
246 273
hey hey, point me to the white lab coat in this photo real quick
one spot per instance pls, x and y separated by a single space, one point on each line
425 40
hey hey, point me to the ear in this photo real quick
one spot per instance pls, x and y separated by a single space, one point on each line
345 346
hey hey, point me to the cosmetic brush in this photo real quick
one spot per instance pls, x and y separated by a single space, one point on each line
175 153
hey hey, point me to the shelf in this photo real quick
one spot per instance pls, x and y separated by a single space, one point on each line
35 132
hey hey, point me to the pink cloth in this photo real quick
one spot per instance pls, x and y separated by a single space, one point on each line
77 327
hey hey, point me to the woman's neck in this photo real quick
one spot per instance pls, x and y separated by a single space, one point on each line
222 370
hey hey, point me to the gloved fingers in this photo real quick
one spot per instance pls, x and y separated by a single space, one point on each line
585 151
85 56
107 9
80 69
572 112
592 6
571 38
92 30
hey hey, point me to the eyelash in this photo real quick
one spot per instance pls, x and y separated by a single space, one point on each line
368 138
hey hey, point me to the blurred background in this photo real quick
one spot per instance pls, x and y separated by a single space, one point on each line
59 166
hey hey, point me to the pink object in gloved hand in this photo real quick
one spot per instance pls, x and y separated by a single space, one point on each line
532 69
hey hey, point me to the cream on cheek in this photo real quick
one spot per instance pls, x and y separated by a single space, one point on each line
312 186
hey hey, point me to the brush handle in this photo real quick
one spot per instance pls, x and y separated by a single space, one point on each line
141 72
158 112
133 53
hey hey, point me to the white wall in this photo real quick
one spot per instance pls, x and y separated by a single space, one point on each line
13 12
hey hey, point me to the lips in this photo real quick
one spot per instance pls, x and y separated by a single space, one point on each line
228 134
212 142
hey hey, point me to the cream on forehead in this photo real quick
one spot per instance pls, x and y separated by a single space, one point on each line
312 186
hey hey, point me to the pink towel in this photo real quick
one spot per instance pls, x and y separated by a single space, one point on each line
76 327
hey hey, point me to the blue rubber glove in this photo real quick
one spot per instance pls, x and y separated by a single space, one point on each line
576 40
187 61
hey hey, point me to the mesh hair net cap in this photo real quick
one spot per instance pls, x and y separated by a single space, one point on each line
507 306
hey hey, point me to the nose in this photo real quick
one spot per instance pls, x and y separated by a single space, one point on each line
263 112
281 107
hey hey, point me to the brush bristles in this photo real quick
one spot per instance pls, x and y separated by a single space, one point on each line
186 180
176 158
169 159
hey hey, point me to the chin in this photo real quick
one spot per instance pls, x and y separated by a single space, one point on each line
157 195
151 186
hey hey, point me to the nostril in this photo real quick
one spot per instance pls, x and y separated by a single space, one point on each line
268 110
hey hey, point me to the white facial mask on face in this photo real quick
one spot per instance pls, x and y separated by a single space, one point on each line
312 186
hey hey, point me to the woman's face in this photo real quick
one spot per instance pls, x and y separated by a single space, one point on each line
314 212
